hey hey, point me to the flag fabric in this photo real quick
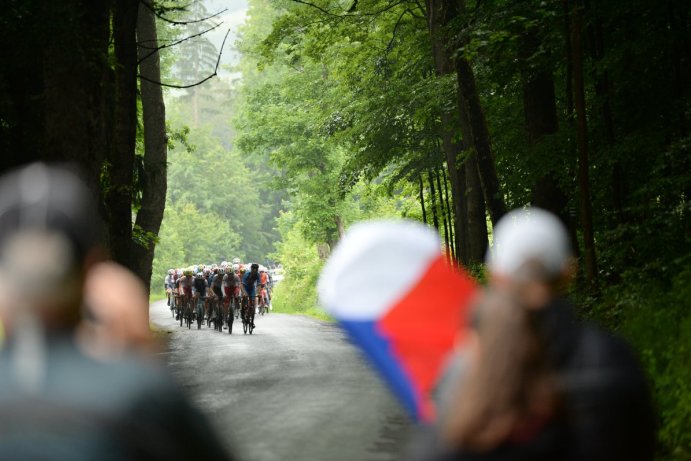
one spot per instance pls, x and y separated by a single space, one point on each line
390 287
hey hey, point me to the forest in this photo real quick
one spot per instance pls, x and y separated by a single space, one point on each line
446 112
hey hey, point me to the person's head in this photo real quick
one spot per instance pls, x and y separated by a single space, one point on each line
507 380
531 255
49 238
254 267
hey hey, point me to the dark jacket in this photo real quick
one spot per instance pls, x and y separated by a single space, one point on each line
607 412
84 409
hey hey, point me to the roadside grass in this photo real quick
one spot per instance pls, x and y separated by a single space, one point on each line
287 300
156 296
289 307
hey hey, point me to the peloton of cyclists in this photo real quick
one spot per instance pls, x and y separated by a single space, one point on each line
227 283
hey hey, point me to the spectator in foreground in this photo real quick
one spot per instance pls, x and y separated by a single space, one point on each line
56 402
532 382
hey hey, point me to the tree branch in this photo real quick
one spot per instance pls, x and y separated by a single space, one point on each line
169 45
389 47
209 77
346 15
140 43
180 23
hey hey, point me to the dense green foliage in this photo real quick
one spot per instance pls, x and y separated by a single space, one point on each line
345 98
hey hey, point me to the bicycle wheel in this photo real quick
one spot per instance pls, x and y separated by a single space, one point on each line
210 312
243 314
189 314
200 313
251 320
180 312
230 316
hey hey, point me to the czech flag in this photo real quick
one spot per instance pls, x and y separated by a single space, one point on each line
389 286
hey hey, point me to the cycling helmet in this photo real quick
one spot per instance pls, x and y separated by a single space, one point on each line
236 267
171 271
236 260
199 275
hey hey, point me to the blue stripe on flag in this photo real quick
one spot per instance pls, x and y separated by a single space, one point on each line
377 348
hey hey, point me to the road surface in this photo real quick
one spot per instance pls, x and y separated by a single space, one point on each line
294 390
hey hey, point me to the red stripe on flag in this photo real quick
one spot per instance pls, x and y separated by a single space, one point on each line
424 325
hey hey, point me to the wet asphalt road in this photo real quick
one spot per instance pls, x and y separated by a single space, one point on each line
294 390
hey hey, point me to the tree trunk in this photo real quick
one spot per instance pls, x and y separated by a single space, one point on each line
573 225
433 194
603 93
438 14
540 111
585 205
422 200
462 240
451 215
446 215
154 181
474 129
476 214
75 65
121 167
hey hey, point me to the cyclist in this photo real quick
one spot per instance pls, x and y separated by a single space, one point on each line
249 283
231 287
263 289
199 289
186 282
217 285
168 284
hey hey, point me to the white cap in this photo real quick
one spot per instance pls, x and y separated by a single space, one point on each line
529 235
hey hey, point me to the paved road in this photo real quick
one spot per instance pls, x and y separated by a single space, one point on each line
294 390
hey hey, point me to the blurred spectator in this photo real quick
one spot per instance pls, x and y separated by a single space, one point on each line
57 403
116 313
532 382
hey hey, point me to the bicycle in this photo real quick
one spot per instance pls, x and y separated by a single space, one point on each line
263 302
247 315
179 307
229 312
218 314
210 310
213 314
199 311
189 312
173 304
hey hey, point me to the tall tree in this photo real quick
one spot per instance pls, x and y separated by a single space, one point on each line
120 172
76 86
439 15
154 179
585 204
